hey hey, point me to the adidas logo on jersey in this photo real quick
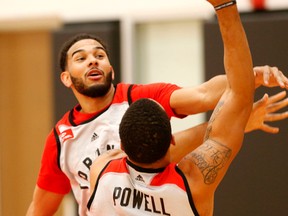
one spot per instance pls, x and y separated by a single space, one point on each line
94 137
139 178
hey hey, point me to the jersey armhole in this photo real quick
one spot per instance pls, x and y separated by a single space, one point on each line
188 190
96 186
58 147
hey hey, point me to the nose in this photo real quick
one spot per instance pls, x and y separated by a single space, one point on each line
93 61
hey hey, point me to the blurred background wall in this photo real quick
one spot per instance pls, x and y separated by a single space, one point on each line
159 40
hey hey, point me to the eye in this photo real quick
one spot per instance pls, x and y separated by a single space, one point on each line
100 56
79 58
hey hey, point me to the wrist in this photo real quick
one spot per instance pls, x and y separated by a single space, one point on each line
225 5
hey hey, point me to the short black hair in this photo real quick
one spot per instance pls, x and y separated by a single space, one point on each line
66 46
145 131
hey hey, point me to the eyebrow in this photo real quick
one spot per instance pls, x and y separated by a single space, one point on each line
81 50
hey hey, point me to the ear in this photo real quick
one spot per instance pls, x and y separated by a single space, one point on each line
65 78
173 140
113 73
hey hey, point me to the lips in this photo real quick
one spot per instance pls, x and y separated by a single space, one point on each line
94 72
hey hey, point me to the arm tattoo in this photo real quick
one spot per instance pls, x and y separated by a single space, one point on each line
212 118
210 158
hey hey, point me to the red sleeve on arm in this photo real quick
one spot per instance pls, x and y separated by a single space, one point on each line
161 92
50 177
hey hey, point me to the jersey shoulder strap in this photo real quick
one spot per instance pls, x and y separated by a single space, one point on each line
129 94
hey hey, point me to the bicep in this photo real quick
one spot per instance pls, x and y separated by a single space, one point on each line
44 202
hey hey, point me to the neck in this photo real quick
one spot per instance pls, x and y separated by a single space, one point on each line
161 163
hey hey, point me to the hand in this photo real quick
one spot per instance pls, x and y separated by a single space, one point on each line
264 111
269 77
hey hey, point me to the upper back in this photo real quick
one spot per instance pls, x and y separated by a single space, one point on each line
130 190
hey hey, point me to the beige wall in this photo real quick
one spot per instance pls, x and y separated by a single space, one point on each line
170 51
111 9
25 112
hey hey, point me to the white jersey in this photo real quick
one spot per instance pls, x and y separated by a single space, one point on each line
101 135
124 189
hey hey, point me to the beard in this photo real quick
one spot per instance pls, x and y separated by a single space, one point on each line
95 91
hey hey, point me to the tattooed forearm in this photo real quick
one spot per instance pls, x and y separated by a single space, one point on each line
210 158
212 118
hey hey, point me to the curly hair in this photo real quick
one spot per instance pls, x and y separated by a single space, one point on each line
66 46
145 131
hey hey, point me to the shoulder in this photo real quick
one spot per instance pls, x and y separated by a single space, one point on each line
101 162
103 159
155 86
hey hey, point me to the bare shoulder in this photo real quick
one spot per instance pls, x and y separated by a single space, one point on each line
113 154
101 162
103 159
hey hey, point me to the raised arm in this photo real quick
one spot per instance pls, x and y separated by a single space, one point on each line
226 127
206 166
228 121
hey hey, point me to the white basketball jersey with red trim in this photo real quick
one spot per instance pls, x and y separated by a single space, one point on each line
80 145
129 190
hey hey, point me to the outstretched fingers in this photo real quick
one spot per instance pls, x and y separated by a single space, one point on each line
271 76
275 103
269 129
265 110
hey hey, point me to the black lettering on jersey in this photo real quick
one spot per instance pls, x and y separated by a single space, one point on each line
154 206
163 207
97 151
137 199
87 162
83 175
108 147
116 194
146 202
122 197
125 197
